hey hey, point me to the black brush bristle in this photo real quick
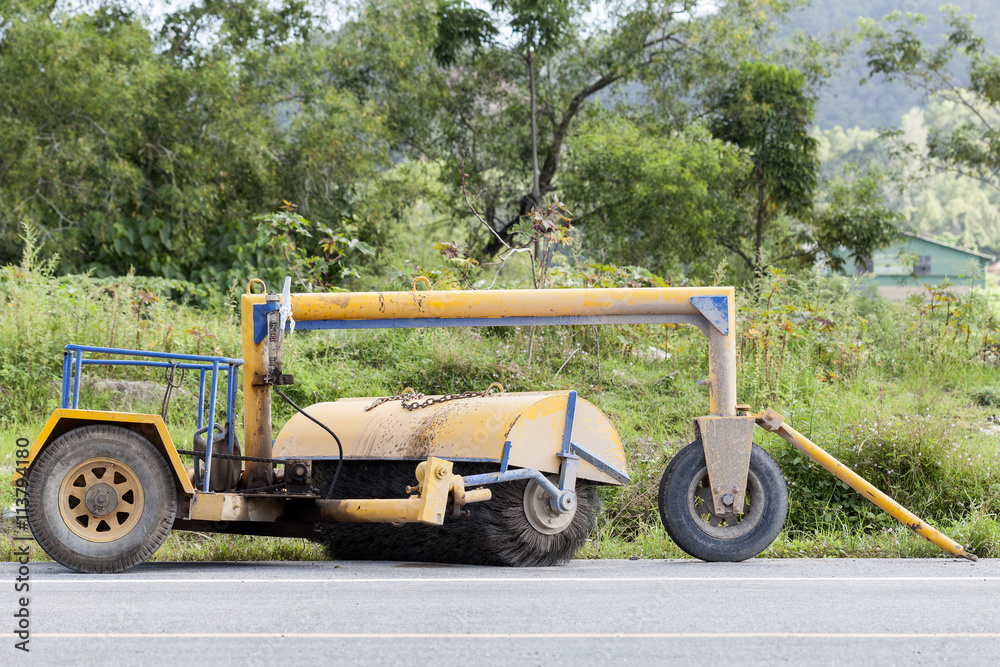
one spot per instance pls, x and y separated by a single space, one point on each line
496 532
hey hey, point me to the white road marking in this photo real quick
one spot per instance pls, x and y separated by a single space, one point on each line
101 579
518 635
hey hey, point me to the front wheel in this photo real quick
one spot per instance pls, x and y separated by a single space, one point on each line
101 499
686 507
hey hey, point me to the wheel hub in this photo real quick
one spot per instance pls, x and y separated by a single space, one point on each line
101 499
724 526
540 514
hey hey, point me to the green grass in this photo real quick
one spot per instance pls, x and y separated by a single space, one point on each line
900 393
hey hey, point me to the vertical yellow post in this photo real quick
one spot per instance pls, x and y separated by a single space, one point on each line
722 364
256 398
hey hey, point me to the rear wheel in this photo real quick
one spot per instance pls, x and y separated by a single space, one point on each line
101 499
687 510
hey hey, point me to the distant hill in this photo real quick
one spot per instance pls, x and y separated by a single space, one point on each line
843 102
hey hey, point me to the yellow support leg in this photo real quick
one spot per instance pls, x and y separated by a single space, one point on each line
771 421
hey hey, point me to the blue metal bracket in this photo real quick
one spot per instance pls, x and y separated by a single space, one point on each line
600 464
570 461
715 309
568 426
513 476
505 457
260 311
570 453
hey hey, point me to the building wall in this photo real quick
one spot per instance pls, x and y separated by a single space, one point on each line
932 263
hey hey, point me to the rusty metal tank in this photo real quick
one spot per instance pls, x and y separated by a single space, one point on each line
465 429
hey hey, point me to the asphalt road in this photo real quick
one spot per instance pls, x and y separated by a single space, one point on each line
764 612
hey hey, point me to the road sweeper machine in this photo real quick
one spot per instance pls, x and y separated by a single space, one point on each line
488 477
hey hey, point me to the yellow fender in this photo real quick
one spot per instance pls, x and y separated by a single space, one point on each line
150 427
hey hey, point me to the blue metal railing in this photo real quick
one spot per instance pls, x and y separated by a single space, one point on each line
74 361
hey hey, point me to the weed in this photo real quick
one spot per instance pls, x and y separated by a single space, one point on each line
898 392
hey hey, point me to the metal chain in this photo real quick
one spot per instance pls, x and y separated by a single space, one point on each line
414 397
398 397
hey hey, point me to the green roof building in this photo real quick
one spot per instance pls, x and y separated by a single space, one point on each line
914 261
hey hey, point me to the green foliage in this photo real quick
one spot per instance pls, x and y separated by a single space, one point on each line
648 198
934 202
544 25
895 52
459 26
318 264
860 383
855 216
43 312
129 151
766 111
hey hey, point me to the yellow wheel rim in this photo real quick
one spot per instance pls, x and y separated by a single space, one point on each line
101 499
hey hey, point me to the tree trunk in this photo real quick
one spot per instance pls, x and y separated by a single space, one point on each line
535 188
536 193
758 259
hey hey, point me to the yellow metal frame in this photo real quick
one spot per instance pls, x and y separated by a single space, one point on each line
435 483
610 305
771 421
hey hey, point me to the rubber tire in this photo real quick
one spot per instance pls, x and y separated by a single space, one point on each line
683 528
153 474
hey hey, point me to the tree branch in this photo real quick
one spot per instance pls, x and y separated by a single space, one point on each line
182 40
472 208
736 249
559 135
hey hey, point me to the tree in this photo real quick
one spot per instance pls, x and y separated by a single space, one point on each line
543 26
895 53
474 106
651 198
766 111
126 149
853 215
